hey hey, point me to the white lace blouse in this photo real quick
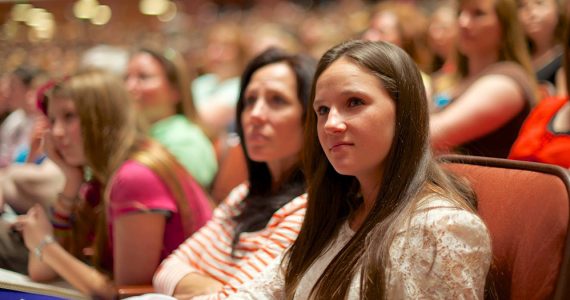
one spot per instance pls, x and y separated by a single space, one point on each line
444 254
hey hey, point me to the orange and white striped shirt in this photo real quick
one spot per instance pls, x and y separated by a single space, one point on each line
208 251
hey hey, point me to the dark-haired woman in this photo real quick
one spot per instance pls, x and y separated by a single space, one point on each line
383 220
261 218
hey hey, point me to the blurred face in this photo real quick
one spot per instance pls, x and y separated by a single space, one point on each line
16 93
65 130
479 28
355 120
384 27
147 82
538 17
30 105
272 116
442 31
221 51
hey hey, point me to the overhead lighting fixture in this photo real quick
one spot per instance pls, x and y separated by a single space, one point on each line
153 7
102 15
170 12
85 9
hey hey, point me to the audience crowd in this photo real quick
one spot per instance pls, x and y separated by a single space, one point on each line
276 151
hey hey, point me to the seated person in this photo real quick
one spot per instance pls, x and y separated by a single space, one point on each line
384 220
261 217
545 134
138 205
493 90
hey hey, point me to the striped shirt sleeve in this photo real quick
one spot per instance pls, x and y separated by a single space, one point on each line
183 260
283 229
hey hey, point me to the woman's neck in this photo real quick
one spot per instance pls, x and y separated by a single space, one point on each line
369 191
281 169
543 55
478 63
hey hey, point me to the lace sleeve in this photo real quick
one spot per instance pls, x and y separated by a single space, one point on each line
267 285
445 254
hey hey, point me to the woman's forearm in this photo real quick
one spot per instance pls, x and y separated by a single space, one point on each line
83 277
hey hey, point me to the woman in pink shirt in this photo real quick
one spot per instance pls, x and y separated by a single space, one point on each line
137 206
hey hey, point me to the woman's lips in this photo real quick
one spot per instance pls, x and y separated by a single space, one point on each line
256 137
339 146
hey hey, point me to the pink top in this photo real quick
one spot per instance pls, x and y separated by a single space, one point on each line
136 188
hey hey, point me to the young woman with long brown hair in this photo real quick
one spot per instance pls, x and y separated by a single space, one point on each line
383 220
139 204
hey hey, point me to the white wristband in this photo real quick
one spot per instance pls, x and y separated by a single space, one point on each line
48 239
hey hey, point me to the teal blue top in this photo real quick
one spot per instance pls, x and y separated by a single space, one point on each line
190 146
207 89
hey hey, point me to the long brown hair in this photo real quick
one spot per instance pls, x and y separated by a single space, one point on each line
410 173
112 133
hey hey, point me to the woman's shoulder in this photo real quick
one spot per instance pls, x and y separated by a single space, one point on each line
134 186
296 206
505 67
439 215
133 170
175 127
233 203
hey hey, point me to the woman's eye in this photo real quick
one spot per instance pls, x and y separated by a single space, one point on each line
249 101
322 110
355 102
278 100
69 116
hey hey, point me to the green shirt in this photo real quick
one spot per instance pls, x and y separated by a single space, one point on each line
188 143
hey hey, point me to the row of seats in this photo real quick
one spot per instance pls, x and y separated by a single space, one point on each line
526 207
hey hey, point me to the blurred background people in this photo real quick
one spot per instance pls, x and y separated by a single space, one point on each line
216 91
15 131
545 134
442 37
159 83
4 107
138 206
543 22
404 25
494 87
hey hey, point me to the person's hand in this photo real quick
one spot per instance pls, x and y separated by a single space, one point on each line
37 137
34 226
72 173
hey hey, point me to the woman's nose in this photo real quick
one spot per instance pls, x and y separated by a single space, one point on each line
335 122
259 111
